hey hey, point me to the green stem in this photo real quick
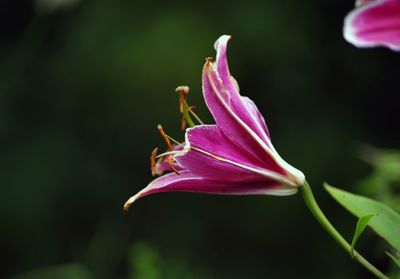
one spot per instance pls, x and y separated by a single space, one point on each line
321 218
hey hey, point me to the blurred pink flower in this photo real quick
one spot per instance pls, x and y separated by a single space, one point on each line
374 23
235 156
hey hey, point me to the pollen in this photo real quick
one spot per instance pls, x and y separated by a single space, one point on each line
153 161
183 91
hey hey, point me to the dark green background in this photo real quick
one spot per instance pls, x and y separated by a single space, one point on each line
81 93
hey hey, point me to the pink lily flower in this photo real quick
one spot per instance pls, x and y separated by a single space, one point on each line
374 23
235 156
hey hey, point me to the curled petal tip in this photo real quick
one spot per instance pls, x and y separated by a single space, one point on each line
127 205
223 40
130 201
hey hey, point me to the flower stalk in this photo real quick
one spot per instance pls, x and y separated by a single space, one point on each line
316 211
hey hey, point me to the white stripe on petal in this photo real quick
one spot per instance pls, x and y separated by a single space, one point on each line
266 173
297 175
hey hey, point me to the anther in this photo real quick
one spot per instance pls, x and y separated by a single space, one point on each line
183 91
164 136
153 161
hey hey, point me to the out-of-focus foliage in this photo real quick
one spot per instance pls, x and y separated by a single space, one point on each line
394 258
146 262
384 181
66 271
82 90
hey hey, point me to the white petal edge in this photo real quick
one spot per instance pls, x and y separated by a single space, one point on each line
349 32
297 175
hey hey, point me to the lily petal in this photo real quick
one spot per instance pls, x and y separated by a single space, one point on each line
374 23
217 98
209 153
255 115
188 182
234 100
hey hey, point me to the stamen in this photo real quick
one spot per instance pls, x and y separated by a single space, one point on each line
153 161
174 140
183 123
183 91
166 154
164 136
167 139
190 109
185 109
171 165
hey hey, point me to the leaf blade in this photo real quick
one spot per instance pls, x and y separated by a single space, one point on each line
361 225
386 221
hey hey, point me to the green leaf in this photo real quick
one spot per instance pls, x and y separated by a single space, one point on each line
361 225
386 221
395 260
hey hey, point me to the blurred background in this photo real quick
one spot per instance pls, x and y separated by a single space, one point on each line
83 85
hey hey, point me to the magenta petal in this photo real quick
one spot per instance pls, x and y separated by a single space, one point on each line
375 23
233 99
210 153
217 100
188 182
255 114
